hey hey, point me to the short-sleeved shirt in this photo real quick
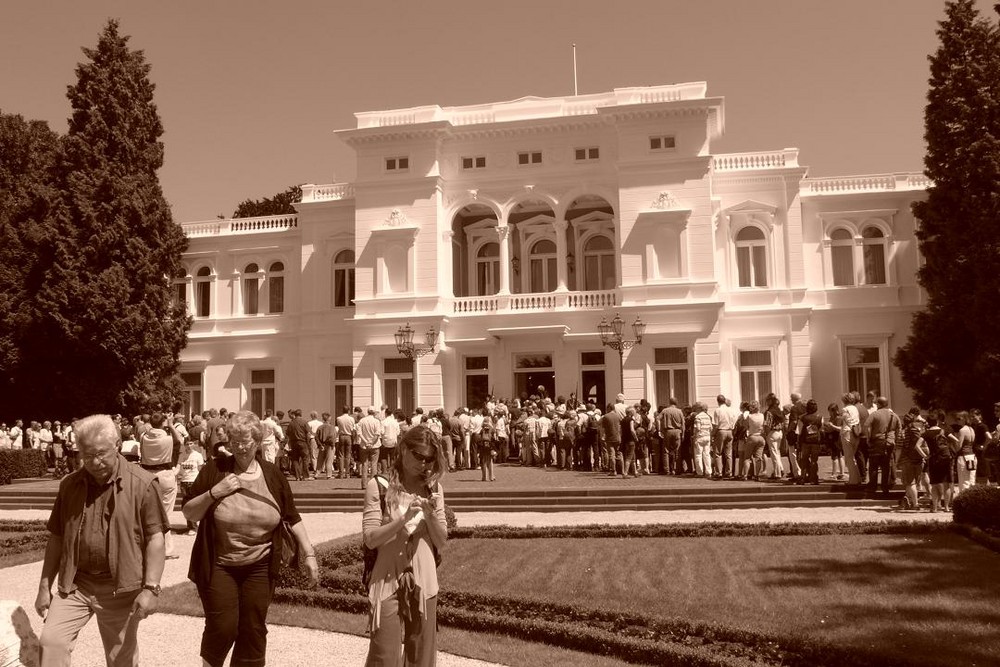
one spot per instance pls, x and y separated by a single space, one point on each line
92 557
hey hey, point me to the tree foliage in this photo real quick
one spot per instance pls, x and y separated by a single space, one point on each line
100 332
952 356
279 204
27 172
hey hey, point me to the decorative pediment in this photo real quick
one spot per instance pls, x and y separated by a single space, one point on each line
750 211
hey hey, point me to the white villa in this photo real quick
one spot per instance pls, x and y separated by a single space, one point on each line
509 230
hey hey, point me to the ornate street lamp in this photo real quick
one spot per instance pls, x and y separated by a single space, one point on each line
611 336
405 346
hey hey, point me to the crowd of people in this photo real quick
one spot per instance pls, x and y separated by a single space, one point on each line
233 472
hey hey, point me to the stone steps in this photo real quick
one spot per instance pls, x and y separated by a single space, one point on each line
709 496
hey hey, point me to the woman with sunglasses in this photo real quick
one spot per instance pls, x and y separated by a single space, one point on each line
407 531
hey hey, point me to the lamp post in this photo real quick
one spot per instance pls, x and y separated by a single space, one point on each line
611 336
405 346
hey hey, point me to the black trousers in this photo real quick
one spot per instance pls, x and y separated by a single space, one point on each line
235 603
880 463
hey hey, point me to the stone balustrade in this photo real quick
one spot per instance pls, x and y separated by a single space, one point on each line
782 159
329 192
234 226
550 301
859 184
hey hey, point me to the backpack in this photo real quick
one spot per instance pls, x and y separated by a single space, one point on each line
740 428
593 423
371 555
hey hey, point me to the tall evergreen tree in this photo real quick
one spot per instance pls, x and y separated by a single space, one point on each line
105 334
27 193
952 356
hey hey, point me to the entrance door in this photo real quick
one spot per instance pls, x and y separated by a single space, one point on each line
527 383
593 388
476 389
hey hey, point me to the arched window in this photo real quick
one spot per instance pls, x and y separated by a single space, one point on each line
542 267
488 269
842 257
751 257
873 244
203 292
343 279
599 263
251 289
276 288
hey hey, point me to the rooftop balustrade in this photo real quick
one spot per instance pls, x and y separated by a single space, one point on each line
233 226
845 185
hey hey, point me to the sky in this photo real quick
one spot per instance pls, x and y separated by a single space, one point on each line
250 92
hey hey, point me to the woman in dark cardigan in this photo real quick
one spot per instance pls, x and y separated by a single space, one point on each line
240 502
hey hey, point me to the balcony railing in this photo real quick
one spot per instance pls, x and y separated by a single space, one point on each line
782 159
270 223
858 184
537 302
329 192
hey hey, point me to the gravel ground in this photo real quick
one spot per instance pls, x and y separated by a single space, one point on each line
166 639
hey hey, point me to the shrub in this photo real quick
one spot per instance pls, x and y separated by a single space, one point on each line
978 506
450 519
21 463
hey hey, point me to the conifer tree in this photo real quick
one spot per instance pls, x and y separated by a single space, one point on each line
105 334
279 204
29 151
952 356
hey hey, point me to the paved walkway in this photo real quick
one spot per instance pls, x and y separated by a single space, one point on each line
169 640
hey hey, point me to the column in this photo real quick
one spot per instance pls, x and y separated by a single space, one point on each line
560 226
503 235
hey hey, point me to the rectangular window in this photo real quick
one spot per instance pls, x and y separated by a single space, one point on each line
592 358
397 163
756 374
671 374
842 261
397 383
192 393
261 391
250 296
477 162
343 389
864 370
180 294
662 143
587 154
529 157
204 296
276 294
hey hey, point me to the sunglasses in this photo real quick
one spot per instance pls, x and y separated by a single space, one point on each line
425 459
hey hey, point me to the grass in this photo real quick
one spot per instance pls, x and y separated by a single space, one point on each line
912 589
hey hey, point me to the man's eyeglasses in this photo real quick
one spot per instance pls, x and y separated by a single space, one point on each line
426 459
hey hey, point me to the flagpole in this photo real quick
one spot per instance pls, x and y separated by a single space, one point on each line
575 89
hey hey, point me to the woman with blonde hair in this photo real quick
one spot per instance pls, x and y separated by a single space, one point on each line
240 502
408 529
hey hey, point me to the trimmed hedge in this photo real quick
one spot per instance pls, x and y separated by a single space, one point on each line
716 529
978 506
20 464
25 536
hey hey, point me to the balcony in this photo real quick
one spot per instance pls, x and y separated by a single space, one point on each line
534 303
331 192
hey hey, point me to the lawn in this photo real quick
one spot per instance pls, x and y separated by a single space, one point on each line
898 593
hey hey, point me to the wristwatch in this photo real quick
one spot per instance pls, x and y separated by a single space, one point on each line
153 588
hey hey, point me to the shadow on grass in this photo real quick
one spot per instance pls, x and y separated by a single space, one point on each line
921 600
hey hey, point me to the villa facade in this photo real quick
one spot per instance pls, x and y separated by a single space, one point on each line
509 230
